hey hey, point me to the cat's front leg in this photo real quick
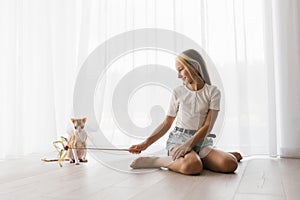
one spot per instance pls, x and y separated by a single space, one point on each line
75 156
71 157
82 154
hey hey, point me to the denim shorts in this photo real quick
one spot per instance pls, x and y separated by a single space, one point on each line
178 136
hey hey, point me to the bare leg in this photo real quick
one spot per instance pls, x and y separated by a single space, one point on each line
220 161
151 162
189 164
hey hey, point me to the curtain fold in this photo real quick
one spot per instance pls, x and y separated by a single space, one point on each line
45 43
287 67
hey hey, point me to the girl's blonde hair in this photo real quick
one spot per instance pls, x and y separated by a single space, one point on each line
195 64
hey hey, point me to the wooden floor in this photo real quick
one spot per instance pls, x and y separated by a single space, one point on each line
256 178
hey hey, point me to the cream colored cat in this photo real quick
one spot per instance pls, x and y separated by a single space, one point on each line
78 138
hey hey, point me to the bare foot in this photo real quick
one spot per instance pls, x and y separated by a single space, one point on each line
151 162
237 155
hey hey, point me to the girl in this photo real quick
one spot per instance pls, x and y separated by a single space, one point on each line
195 104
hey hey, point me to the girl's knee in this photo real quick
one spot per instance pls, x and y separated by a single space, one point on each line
191 167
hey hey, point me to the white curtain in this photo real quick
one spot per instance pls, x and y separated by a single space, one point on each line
45 43
286 56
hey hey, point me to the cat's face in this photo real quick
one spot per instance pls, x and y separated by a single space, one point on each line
78 123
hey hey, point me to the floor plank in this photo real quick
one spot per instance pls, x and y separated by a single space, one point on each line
256 178
219 186
262 177
290 174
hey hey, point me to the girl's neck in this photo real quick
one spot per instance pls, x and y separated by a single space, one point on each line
195 86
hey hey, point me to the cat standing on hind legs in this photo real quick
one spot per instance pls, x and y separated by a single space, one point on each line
78 138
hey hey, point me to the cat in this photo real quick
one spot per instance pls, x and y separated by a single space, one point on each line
78 137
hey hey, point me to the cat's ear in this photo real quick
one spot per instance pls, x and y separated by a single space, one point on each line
73 120
84 119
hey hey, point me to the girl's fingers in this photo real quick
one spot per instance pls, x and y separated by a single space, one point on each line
135 149
176 155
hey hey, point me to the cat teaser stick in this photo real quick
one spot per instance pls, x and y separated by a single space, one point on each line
102 149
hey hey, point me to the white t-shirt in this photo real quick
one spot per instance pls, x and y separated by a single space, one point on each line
191 107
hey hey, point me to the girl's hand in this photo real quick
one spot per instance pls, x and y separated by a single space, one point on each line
138 148
182 149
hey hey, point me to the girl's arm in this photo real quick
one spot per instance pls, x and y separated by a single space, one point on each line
206 128
157 133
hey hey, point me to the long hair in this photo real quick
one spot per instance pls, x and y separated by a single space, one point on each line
191 59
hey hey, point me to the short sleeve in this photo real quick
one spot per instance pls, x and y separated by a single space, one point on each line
215 99
173 106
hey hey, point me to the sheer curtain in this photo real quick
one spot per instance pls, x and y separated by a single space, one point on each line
39 62
45 43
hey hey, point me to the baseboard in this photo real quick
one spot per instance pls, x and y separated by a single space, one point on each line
290 152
